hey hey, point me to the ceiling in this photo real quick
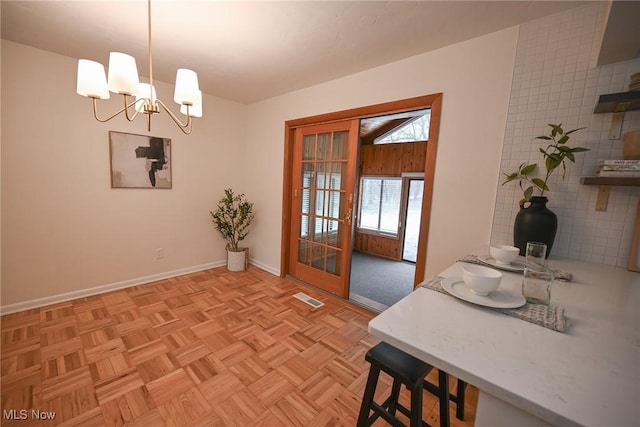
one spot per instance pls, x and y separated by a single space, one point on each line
247 51
621 38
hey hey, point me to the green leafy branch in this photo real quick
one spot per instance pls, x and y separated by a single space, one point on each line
554 155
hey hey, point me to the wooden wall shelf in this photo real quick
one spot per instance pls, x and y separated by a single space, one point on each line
618 102
610 180
605 183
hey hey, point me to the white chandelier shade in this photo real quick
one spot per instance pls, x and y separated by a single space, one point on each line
123 74
195 110
187 89
123 79
92 81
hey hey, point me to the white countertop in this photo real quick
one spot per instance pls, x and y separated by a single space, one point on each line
588 376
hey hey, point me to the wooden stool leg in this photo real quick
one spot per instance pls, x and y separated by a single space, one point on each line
443 386
367 399
460 391
395 396
416 405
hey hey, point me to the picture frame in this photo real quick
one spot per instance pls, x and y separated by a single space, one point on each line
139 161
634 252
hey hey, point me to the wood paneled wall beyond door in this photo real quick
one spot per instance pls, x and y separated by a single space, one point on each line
388 160
385 247
392 159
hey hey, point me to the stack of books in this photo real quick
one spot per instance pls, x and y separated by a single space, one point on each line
619 168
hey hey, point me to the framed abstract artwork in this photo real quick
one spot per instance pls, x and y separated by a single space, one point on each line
139 161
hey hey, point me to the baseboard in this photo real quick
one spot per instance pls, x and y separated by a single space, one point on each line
55 299
265 267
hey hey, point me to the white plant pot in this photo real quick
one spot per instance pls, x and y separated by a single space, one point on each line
237 261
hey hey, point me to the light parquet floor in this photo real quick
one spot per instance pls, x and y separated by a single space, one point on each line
210 348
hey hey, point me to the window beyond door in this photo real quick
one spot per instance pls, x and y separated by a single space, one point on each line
380 205
416 129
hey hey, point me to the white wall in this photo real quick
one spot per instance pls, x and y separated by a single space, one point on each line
65 230
556 81
475 78
0 168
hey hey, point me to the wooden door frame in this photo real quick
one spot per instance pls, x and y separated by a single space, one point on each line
434 102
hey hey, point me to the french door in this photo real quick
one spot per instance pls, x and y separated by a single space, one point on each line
323 180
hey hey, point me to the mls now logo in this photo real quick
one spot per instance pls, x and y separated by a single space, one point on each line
37 414
23 414
14 414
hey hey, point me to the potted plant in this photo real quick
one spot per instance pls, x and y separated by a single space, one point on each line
535 222
232 218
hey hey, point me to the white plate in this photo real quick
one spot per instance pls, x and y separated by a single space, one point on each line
499 298
515 266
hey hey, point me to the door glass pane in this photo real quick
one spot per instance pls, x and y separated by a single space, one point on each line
304 226
334 205
333 261
308 147
321 176
319 231
337 228
307 174
304 255
340 141
305 199
319 257
322 203
324 146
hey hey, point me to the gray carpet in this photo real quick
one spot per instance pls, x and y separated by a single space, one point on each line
379 279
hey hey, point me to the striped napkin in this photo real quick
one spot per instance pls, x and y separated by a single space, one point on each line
557 274
548 316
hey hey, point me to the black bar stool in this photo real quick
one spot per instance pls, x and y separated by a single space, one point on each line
404 369
410 371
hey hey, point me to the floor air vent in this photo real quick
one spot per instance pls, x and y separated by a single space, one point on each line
307 299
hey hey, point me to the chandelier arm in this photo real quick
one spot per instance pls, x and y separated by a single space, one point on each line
184 127
127 106
125 109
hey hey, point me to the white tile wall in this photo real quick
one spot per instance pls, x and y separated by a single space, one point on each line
556 81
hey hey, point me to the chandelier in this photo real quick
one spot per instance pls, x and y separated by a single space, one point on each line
140 97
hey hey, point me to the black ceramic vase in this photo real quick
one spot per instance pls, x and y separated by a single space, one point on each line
535 223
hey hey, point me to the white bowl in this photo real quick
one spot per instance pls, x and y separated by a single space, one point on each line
504 254
481 280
